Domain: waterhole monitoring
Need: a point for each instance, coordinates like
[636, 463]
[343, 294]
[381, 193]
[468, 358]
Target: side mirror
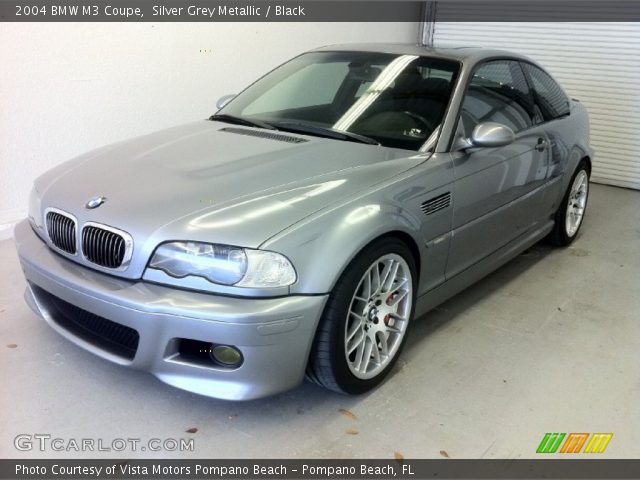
[491, 134]
[222, 101]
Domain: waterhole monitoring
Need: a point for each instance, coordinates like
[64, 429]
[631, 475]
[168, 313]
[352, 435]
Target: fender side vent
[436, 204]
[262, 134]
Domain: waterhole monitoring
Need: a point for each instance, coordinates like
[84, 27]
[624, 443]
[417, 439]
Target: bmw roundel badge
[95, 202]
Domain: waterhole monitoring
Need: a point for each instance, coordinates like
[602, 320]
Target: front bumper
[273, 334]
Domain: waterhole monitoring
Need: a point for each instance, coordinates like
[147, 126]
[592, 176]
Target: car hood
[214, 182]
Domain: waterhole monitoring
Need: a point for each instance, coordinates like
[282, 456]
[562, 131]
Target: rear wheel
[366, 319]
[571, 212]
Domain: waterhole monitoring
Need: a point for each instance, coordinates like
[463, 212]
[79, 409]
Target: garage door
[597, 63]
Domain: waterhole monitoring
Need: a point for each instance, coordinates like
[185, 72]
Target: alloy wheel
[378, 316]
[577, 203]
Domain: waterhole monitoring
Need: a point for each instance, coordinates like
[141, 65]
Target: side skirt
[467, 277]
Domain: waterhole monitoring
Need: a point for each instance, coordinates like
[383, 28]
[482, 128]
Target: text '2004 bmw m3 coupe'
[303, 227]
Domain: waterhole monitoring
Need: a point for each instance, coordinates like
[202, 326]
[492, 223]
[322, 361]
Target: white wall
[66, 88]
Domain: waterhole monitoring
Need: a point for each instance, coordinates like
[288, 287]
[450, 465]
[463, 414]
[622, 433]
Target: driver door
[496, 189]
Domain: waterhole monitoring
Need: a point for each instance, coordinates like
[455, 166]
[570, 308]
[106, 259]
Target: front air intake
[105, 334]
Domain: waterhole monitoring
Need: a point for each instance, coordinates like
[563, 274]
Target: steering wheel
[396, 123]
[427, 124]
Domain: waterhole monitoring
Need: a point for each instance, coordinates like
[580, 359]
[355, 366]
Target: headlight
[216, 263]
[267, 269]
[224, 265]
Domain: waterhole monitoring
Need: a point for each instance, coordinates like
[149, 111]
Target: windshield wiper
[224, 117]
[324, 132]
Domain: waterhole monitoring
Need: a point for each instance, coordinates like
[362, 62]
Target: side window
[552, 101]
[498, 92]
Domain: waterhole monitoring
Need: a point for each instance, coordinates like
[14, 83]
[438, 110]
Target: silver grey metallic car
[301, 228]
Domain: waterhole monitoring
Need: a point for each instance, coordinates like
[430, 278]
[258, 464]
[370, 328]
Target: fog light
[226, 355]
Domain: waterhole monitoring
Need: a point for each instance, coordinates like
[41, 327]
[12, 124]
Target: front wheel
[570, 214]
[366, 319]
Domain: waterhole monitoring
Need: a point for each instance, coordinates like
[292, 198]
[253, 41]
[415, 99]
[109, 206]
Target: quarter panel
[569, 140]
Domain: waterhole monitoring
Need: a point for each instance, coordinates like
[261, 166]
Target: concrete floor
[549, 343]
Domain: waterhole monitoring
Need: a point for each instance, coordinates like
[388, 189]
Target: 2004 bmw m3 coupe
[303, 227]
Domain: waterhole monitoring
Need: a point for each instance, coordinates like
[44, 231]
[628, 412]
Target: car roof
[459, 53]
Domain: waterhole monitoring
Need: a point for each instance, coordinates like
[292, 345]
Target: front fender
[322, 245]
[321, 248]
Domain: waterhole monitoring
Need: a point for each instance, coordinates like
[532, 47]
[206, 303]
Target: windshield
[396, 100]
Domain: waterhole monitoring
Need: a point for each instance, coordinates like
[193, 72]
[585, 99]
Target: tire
[373, 329]
[570, 213]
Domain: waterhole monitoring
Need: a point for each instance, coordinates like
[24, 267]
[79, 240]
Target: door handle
[541, 145]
